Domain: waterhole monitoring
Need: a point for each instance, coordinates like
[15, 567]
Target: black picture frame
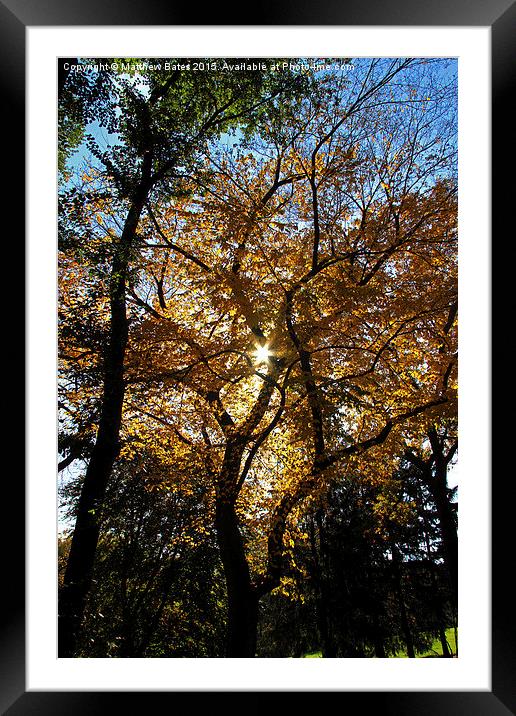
[500, 16]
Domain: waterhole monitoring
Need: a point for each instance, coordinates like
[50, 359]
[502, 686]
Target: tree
[364, 575]
[431, 461]
[163, 120]
[155, 558]
[437, 601]
[289, 309]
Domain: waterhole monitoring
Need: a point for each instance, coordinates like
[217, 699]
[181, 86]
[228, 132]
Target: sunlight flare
[262, 354]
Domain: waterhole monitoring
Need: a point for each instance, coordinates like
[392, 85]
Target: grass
[435, 649]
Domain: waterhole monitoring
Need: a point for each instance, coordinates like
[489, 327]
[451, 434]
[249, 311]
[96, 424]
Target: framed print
[42, 41]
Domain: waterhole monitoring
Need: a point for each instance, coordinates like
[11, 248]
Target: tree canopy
[258, 298]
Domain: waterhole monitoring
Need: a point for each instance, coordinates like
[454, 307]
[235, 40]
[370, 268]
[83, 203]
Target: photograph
[258, 357]
[261, 294]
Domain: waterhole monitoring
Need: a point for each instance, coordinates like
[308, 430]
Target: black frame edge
[12, 616]
[503, 34]
[501, 16]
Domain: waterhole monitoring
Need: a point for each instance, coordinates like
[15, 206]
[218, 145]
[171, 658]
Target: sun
[262, 354]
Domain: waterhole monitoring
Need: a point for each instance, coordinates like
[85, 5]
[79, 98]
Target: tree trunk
[79, 569]
[242, 599]
[323, 608]
[438, 605]
[444, 643]
[379, 648]
[127, 647]
[448, 534]
[328, 648]
[437, 484]
[405, 626]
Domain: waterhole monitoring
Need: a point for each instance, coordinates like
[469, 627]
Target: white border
[471, 671]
